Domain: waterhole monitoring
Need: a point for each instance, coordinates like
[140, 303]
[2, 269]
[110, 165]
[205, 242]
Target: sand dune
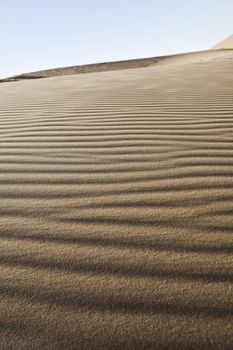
[116, 195]
[113, 66]
[225, 44]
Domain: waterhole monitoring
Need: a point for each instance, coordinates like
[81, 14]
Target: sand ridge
[115, 66]
[116, 200]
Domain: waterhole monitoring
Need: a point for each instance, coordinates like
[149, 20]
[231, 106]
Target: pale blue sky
[40, 34]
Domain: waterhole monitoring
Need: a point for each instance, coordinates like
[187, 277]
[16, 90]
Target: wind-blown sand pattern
[116, 200]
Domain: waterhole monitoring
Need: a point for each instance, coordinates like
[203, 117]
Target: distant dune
[225, 44]
[108, 66]
[116, 202]
[88, 68]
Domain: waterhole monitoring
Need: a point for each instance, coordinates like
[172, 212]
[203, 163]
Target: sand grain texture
[116, 200]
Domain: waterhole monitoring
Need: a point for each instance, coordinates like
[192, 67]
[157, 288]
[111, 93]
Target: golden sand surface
[116, 201]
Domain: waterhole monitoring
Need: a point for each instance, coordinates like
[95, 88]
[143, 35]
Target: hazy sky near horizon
[42, 34]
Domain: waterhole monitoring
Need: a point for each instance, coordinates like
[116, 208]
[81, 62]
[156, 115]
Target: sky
[43, 34]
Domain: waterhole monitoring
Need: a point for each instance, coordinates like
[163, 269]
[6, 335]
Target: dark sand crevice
[121, 242]
[74, 302]
[119, 269]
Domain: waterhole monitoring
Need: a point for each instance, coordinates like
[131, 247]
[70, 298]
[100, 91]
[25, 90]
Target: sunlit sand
[116, 201]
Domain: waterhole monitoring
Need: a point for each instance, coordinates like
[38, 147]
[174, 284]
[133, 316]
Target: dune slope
[116, 200]
[225, 44]
[107, 66]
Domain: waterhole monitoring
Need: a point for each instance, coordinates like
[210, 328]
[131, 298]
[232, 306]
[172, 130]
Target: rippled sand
[116, 201]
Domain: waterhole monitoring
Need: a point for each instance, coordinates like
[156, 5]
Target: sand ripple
[116, 202]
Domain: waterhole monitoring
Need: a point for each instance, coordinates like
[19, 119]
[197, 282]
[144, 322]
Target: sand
[225, 44]
[111, 66]
[116, 200]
